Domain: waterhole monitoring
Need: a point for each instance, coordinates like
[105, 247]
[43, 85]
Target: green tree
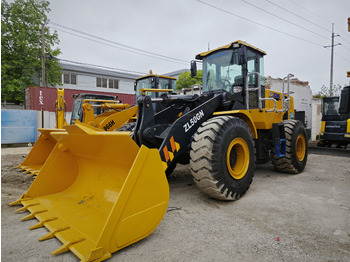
[185, 80]
[21, 23]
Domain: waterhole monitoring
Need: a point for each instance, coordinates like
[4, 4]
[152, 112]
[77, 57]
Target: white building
[301, 93]
[93, 78]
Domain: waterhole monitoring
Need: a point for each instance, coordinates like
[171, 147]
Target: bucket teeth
[18, 201]
[41, 223]
[28, 170]
[25, 207]
[52, 233]
[32, 215]
[21, 167]
[65, 247]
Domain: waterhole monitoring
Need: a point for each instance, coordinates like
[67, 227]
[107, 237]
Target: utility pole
[332, 52]
[43, 73]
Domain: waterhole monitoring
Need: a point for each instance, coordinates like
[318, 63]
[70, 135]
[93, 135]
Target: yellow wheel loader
[101, 191]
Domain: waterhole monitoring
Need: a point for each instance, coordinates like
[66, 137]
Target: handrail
[285, 100]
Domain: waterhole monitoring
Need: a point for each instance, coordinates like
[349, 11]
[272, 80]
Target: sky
[165, 35]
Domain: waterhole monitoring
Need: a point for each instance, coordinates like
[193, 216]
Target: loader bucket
[40, 151]
[97, 192]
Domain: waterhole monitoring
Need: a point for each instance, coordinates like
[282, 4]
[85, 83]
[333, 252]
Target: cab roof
[151, 75]
[229, 46]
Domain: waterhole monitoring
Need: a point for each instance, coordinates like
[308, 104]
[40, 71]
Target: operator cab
[152, 81]
[337, 108]
[229, 67]
[330, 108]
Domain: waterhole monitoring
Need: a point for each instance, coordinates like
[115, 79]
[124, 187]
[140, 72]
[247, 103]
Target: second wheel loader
[93, 109]
[100, 191]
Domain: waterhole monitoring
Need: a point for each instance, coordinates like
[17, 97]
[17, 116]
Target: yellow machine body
[111, 120]
[106, 105]
[97, 197]
[263, 119]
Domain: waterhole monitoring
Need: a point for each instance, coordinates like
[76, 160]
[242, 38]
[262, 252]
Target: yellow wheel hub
[300, 147]
[237, 158]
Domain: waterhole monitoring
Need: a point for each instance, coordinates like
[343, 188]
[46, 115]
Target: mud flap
[97, 192]
[40, 151]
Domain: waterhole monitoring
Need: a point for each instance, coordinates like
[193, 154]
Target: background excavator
[101, 191]
[335, 125]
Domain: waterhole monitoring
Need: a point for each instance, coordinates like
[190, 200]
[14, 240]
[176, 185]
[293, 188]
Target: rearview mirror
[193, 68]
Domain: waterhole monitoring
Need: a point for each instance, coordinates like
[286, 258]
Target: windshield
[143, 84]
[330, 106]
[221, 71]
[77, 113]
[150, 82]
[166, 83]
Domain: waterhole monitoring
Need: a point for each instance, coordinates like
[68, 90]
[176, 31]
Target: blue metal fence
[18, 126]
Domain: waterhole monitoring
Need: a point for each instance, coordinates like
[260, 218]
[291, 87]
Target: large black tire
[296, 149]
[222, 158]
[128, 127]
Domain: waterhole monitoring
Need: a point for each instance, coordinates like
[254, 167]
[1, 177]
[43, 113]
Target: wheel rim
[237, 158]
[300, 147]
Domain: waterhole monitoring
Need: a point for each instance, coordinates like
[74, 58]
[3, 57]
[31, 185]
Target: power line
[345, 47]
[100, 42]
[315, 14]
[310, 11]
[257, 23]
[297, 15]
[260, 24]
[262, 9]
[342, 57]
[345, 39]
[141, 51]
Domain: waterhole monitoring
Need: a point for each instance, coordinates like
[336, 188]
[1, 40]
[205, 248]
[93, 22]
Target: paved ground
[282, 217]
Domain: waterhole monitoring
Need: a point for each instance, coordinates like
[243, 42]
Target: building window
[107, 83]
[113, 83]
[104, 82]
[101, 82]
[70, 79]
